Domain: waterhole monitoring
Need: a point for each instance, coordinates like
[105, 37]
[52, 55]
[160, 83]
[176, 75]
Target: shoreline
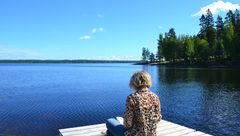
[67, 61]
[193, 65]
[220, 64]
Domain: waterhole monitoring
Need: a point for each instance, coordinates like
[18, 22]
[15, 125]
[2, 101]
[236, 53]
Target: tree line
[67, 61]
[148, 56]
[217, 41]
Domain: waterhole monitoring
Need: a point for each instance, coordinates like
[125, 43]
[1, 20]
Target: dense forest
[217, 42]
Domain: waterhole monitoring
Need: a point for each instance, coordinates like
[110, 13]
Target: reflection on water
[204, 99]
[39, 99]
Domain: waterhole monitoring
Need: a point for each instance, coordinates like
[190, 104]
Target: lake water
[39, 99]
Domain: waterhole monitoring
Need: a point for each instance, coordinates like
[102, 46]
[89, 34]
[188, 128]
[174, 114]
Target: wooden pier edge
[165, 128]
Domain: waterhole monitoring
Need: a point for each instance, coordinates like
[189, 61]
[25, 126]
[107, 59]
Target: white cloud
[85, 37]
[99, 29]
[93, 31]
[216, 7]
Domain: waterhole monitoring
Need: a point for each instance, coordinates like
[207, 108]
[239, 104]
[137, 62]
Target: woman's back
[142, 113]
[142, 109]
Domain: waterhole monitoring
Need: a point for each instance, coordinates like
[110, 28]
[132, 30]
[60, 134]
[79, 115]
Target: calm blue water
[39, 99]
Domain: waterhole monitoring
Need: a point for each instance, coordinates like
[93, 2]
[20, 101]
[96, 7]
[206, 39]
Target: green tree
[168, 45]
[206, 24]
[201, 49]
[152, 57]
[209, 22]
[189, 50]
[211, 44]
[148, 54]
[144, 55]
[228, 40]
[171, 44]
[168, 49]
[211, 37]
[180, 50]
[185, 48]
[159, 48]
[236, 38]
[230, 18]
[202, 27]
[219, 27]
[172, 33]
[219, 52]
[237, 16]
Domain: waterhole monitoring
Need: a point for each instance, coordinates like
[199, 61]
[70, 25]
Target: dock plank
[164, 128]
[181, 132]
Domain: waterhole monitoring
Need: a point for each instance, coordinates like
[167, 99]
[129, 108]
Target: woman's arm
[128, 116]
[158, 115]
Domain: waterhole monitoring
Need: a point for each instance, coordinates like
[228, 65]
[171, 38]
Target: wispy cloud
[14, 53]
[100, 15]
[99, 29]
[216, 7]
[85, 37]
[93, 31]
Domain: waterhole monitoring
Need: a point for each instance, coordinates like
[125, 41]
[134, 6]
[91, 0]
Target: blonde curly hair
[140, 80]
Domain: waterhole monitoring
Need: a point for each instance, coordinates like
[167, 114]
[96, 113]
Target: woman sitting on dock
[142, 110]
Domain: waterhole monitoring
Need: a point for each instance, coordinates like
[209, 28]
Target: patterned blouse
[142, 113]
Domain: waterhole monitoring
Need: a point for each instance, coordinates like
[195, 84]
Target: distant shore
[220, 64]
[68, 61]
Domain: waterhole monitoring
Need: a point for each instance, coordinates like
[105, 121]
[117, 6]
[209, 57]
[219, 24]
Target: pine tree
[201, 49]
[219, 52]
[148, 55]
[172, 44]
[228, 40]
[181, 47]
[168, 49]
[211, 37]
[230, 18]
[189, 50]
[152, 57]
[210, 33]
[216, 43]
[209, 22]
[219, 27]
[236, 39]
[144, 55]
[172, 34]
[206, 22]
[160, 43]
[237, 15]
[203, 27]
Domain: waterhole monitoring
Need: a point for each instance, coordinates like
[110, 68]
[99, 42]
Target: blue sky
[95, 29]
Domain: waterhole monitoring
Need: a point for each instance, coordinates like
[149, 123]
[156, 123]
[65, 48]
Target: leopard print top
[142, 113]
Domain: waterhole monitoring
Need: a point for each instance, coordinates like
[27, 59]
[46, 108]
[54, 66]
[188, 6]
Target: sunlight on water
[39, 99]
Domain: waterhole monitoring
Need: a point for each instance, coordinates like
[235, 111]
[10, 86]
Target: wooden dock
[165, 128]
